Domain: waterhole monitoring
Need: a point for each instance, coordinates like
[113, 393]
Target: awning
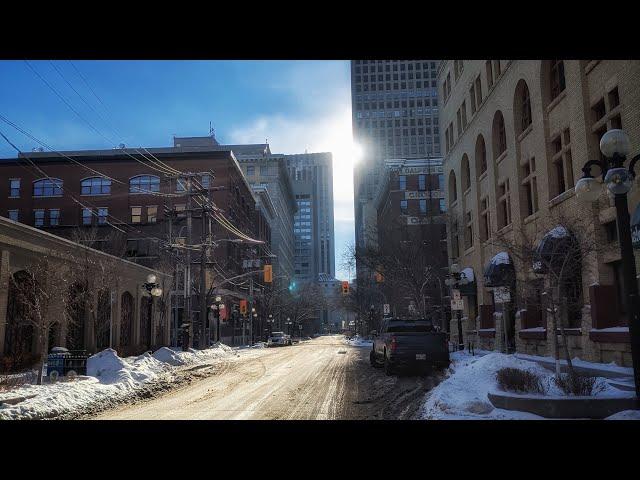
[552, 249]
[469, 288]
[500, 271]
[635, 227]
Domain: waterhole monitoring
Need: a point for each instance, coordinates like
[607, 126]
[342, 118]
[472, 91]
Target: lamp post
[154, 290]
[254, 318]
[455, 280]
[217, 307]
[288, 324]
[269, 328]
[615, 147]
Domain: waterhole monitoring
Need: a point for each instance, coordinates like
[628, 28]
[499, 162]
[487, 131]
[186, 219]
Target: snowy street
[323, 378]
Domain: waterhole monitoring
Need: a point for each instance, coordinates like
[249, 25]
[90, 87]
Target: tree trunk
[44, 337]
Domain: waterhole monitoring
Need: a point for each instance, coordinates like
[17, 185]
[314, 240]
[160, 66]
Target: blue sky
[296, 105]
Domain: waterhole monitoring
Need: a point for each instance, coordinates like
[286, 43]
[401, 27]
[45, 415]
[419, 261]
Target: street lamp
[288, 324]
[154, 290]
[269, 328]
[615, 147]
[217, 308]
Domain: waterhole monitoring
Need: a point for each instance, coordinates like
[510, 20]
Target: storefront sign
[416, 195]
[501, 295]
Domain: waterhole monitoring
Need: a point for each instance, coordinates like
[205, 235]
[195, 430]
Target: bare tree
[555, 248]
[44, 285]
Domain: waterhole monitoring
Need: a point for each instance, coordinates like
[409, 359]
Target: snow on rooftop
[501, 258]
[558, 232]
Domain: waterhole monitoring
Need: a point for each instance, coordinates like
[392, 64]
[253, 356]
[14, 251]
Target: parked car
[409, 343]
[278, 339]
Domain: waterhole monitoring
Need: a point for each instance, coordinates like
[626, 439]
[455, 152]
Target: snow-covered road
[323, 378]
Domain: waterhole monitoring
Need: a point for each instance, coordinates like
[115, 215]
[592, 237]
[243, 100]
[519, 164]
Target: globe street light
[455, 280]
[615, 146]
[217, 308]
[154, 290]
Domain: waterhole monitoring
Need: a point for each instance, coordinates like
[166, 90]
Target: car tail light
[394, 344]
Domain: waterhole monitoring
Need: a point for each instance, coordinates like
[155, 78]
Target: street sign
[386, 309]
[501, 295]
[456, 295]
[457, 304]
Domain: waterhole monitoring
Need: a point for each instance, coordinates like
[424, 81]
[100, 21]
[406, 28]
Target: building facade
[121, 320]
[395, 115]
[137, 209]
[410, 208]
[516, 134]
[312, 177]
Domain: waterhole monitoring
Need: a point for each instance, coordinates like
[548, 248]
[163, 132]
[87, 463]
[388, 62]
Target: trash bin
[62, 361]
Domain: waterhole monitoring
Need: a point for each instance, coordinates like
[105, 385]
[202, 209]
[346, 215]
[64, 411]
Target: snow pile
[625, 415]
[463, 395]
[110, 379]
[358, 341]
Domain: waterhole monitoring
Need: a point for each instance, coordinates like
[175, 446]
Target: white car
[278, 339]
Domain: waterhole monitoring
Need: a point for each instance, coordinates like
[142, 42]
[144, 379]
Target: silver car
[278, 339]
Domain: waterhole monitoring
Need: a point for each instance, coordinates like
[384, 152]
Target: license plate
[421, 356]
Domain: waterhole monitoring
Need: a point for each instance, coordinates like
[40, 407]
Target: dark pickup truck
[409, 343]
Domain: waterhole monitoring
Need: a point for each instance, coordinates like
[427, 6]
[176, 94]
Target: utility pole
[187, 281]
[251, 308]
[203, 280]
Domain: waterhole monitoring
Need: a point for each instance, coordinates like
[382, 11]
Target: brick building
[410, 207]
[128, 191]
[516, 134]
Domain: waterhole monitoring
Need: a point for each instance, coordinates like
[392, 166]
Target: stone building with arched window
[530, 127]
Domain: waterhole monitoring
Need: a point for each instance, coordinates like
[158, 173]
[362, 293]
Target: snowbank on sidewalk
[463, 395]
[109, 379]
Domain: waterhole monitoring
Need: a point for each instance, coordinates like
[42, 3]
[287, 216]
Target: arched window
[556, 77]
[466, 173]
[47, 187]
[95, 186]
[126, 319]
[481, 155]
[499, 135]
[522, 107]
[453, 192]
[144, 184]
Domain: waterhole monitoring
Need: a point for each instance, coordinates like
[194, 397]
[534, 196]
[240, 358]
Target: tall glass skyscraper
[394, 115]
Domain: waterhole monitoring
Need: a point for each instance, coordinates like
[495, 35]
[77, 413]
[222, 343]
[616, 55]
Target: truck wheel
[372, 359]
[388, 368]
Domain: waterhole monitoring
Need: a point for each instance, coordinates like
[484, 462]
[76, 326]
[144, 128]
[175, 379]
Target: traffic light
[243, 307]
[268, 274]
[345, 287]
[292, 286]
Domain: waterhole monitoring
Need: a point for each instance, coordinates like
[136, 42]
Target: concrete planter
[563, 407]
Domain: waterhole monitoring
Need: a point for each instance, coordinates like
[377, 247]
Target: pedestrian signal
[345, 287]
[268, 274]
[243, 307]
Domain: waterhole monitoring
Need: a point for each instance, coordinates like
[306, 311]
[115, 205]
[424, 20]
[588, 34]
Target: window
[404, 207]
[441, 182]
[481, 155]
[614, 98]
[530, 187]
[152, 213]
[14, 215]
[504, 204]
[423, 207]
[136, 214]
[14, 187]
[181, 185]
[251, 170]
[54, 217]
[47, 187]
[499, 135]
[478, 92]
[463, 109]
[264, 170]
[441, 206]
[422, 182]
[38, 216]
[402, 179]
[562, 164]
[466, 173]
[489, 67]
[144, 184]
[496, 69]
[472, 97]
[103, 213]
[485, 225]
[557, 82]
[95, 186]
[468, 231]
[599, 110]
[523, 106]
[205, 180]
[455, 240]
[86, 216]
[453, 192]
